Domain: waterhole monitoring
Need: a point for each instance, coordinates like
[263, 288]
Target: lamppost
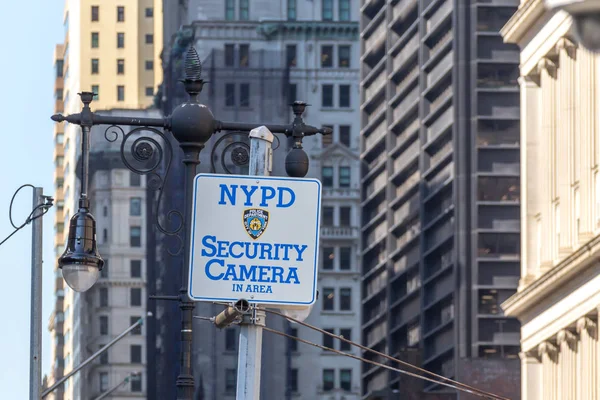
[191, 124]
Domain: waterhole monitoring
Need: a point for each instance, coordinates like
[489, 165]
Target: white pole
[35, 366]
[250, 348]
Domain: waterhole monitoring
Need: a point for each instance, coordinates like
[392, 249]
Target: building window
[105, 235]
[557, 229]
[95, 40]
[292, 343]
[327, 258]
[229, 55]
[120, 93]
[104, 355]
[149, 65]
[345, 258]
[345, 299]
[135, 206]
[230, 339]
[103, 381]
[292, 93]
[136, 297]
[135, 236]
[95, 13]
[346, 379]
[120, 66]
[413, 335]
[327, 96]
[103, 319]
[103, 292]
[60, 66]
[136, 268]
[327, 218]
[345, 216]
[344, 11]
[104, 271]
[229, 10]
[328, 339]
[60, 227]
[344, 177]
[120, 40]
[120, 14]
[291, 10]
[498, 189]
[345, 135]
[229, 94]
[346, 333]
[344, 56]
[499, 244]
[230, 380]
[244, 95]
[326, 140]
[328, 380]
[96, 91]
[136, 354]
[244, 10]
[577, 201]
[328, 299]
[294, 380]
[327, 176]
[327, 11]
[149, 91]
[345, 96]
[149, 12]
[138, 329]
[149, 38]
[291, 55]
[95, 66]
[326, 56]
[134, 179]
[244, 55]
[136, 383]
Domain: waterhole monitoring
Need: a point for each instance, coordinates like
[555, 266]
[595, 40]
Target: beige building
[559, 291]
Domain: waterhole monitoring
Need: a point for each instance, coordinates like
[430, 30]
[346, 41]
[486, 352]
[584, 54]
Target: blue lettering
[223, 249]
[300, 250]
[266, 196]
[230, 272]
[248, 194]
[277, 272]
[292, 197]
[269, 289]
[286, 248]
[264, 270]
[292, 274]
[230, 194]
[237, 287]
[238, 255]
[265, 248]
[247, 274]
[207, 242]
[207, 269]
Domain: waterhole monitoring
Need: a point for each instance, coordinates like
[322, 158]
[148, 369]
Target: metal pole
[111, 390]
[35, 366]
[250, 347]
[92, 357]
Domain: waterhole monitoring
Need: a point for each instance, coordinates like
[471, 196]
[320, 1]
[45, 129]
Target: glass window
[120, 66]
[327, 257]
[345, 135]
[345, 258]
[104, 271]
[344, 12]
[497, 75]
[149, 12]
[326, 56]
[291, 10]
[229, 10]
[346, 379]
[345, 96]
[244, 95]
[136, 268]
[105, 235]
[413, 335]
[327, 11]
[326, 140]
[59, 67]
[95, 13]
[244, 55]
[136, 297]
[294, 380]
[230, 380]
[344, 56]
[136, 353]
[134, 179]
[103, 381]
[149, 38]
[346, 299]
[493, 188]
[327, 339]
[328, 379]
[136, 383]
[292, 93]
[138, 329]
[499, 244]
[230, 339]
[120, 93]
[290, 55]
[347, 334]
[104, 355]
[229, 54]
[103, 324]
[95, 40]
[105, 211]
[95, 66]
[149, 91]
[327, 176]
[135, 206]
[244, 10]
[344, 177]
[327, 96]
[96, 91]
[120, 14]
[120, 40]
[103, 292]
[293, 344]
[328, 299]
[149, 65]
[493, 133]
[135, 236]
[327, 218]
[345, 216]
[230, 94]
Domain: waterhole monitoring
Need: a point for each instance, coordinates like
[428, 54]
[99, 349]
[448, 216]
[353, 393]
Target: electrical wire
[486, 396]
[404, 363]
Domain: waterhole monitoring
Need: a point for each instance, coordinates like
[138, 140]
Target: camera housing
[586, 19]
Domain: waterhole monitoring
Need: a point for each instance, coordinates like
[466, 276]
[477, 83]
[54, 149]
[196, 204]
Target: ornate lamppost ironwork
[191, 124]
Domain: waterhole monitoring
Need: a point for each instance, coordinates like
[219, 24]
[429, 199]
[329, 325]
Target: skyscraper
[440, 192]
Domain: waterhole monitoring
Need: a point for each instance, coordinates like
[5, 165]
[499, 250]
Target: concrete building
[558, 297]
[101, 53]
[440, 193]
[259, 57]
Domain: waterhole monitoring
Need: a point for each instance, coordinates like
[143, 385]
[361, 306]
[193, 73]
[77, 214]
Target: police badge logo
[255, 222]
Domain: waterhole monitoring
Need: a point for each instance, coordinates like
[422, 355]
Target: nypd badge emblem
[255, 221]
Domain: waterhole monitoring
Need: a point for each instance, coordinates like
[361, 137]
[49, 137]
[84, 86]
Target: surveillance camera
[586, 19]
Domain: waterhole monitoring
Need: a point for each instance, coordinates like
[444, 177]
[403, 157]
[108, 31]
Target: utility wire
[45, 208]
[487, 396]
[404, 363]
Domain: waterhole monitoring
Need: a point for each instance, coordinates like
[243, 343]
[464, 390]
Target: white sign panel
[255, 238]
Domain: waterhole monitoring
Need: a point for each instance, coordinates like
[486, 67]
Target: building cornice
[527, 13]
[534, 293]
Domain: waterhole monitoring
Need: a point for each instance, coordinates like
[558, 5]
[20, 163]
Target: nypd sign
[256, 238]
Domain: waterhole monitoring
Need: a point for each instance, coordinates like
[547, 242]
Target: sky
[29, 30]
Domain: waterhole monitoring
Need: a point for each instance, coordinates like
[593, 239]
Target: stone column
[549, 388]
[587, 359]
[531, 372]
[547, 71]
[567, 364]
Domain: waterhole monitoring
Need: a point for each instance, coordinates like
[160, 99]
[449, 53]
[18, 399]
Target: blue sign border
[251, 177]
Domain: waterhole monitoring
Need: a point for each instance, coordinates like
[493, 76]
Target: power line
[404, 363]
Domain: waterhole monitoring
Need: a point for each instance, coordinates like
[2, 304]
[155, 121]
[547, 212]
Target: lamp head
[81, 263]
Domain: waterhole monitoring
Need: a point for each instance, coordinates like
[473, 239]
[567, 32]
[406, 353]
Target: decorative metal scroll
[143, 151]
[230, 153]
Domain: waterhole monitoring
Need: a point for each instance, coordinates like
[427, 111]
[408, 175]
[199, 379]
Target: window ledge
[338, 109]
